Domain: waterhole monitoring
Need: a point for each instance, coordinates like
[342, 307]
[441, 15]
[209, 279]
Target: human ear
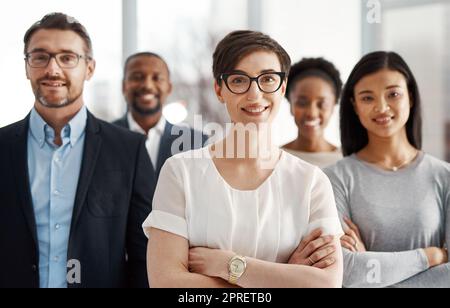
[90, 69]
[218, 90]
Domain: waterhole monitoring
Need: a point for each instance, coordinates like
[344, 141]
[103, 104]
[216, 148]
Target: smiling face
[312, 102]
[146, 85]
[254, 106]
[382, 103]
[53, 86]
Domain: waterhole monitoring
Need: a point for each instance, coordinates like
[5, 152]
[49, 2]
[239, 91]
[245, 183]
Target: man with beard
[74, 190]
[146, 86]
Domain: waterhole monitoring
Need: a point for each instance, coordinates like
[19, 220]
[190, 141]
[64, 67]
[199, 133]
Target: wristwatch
[236, 268]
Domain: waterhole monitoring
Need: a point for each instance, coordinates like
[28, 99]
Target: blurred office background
[186, 32]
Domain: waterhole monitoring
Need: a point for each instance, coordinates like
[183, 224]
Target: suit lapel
[124, 121]
[165, 147]
[19, 154]
[91, 151]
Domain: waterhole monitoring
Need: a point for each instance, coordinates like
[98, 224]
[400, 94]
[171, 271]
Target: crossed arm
[415, 268]
[171, 263]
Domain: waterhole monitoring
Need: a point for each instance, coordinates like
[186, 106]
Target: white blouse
[193, 201]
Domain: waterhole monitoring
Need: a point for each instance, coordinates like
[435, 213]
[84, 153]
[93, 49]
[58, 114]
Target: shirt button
[56, 259]
[57, 226]
[56, 192]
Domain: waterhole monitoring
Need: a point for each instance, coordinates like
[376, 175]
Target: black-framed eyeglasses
[240, 83]
[40, 59]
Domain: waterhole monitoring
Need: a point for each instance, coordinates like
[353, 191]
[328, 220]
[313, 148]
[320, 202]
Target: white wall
[419, 35]
[326, 28]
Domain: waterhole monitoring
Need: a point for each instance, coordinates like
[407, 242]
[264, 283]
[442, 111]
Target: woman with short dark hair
[393, 197]
[243, 212]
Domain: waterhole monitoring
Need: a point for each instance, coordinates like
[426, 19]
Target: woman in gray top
[394, 199]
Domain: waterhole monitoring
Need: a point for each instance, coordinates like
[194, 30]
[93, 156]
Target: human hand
[436, 256]
[314, 250]
[352, 239]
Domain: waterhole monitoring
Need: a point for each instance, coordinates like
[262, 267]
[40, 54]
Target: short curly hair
[315, 67]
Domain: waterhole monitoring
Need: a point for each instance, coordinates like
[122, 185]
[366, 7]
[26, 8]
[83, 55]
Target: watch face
[237, 266]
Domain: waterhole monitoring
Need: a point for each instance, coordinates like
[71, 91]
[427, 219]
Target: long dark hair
[354, 136]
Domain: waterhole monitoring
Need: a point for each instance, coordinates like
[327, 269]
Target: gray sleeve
[374, 269]
[340, 194]
[436, 277]
[381, 269]
[439, 276]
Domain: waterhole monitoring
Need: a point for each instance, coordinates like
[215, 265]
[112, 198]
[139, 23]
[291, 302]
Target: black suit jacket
[114, 195]
[190, 139]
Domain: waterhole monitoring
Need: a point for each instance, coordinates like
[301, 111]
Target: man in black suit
[74, 190]
[146, 86]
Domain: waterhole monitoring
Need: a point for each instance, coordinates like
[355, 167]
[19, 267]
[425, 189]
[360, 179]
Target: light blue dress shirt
[53, 174]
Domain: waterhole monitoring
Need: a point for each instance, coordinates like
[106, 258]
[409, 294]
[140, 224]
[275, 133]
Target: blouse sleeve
[169, 203]
[323, 212]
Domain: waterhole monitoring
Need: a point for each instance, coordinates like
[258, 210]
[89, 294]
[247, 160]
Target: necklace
[404, 163]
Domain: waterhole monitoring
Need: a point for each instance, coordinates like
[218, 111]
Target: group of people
[85, 203]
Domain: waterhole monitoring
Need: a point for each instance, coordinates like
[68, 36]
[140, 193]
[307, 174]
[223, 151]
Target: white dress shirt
[153, 136]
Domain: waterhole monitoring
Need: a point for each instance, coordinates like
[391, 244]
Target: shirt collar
[73, 130]
[78, 125]
[37, 127]
[134, 126]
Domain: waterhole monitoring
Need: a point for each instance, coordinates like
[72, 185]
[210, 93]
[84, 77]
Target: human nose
[149, 83]
[312, 111]
[253, 92]
[53, 67]
[381, 106]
